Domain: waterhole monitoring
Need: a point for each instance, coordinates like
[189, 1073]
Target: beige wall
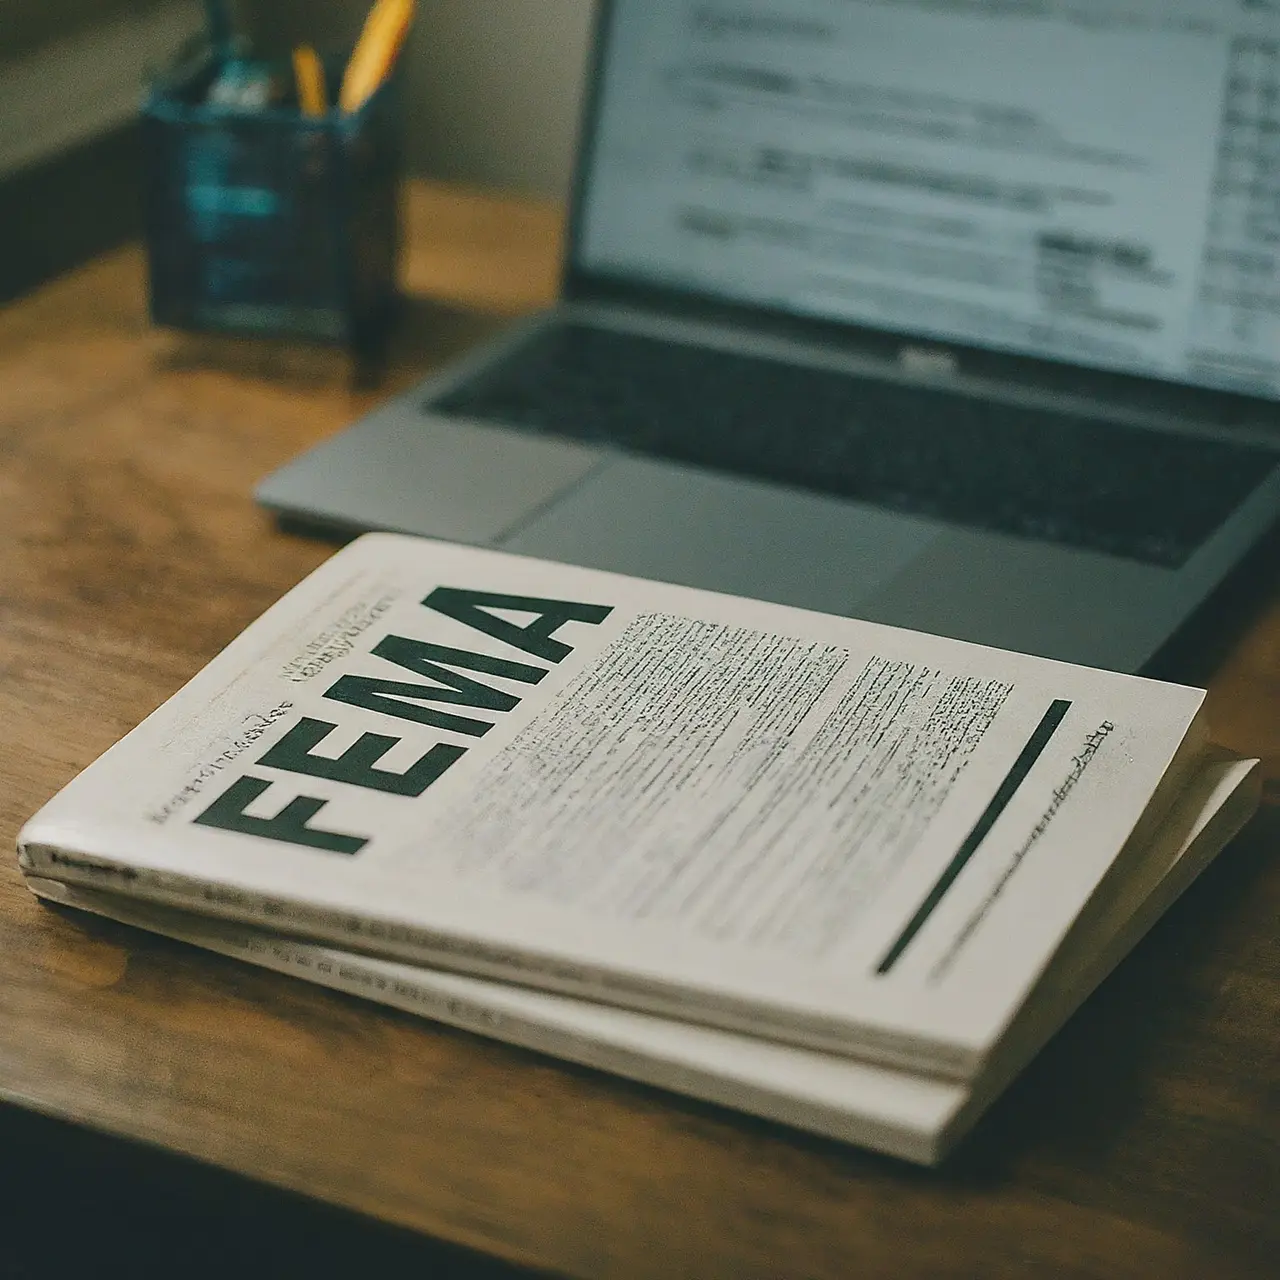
[76, 73]
[28, 24]
[492, 90]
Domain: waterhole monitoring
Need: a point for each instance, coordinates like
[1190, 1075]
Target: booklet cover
[830, 832]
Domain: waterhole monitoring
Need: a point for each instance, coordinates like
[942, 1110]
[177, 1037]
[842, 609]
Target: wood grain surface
[1144, 1142]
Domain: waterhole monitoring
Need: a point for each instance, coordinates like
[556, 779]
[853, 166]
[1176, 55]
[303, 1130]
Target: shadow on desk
[74, 1202]
[1137, 1076]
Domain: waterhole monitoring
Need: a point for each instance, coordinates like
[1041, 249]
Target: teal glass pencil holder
[269, 221]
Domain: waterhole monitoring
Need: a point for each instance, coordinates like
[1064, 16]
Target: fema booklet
[827, 832]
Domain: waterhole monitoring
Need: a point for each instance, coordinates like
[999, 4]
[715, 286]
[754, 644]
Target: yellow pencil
[308, 78]
[375, 53]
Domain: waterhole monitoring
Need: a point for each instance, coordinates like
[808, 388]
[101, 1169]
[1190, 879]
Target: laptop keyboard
[1054, 477]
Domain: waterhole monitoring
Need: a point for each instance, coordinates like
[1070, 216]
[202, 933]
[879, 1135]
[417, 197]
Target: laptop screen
[1095, 181]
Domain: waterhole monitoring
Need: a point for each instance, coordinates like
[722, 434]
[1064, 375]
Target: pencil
[308, 78]
[375, 53]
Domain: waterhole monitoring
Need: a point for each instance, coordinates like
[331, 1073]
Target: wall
[28, 24]
[73, 71]
[493, 90]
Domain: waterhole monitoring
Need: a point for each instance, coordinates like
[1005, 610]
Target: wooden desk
[1144, 1142]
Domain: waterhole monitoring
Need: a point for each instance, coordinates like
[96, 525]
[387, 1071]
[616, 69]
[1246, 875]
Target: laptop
[960, 317]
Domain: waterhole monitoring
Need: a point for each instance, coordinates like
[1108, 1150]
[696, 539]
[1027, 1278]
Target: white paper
[791, 845]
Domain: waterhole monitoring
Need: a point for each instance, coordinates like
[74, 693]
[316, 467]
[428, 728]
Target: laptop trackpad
[676, 524]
